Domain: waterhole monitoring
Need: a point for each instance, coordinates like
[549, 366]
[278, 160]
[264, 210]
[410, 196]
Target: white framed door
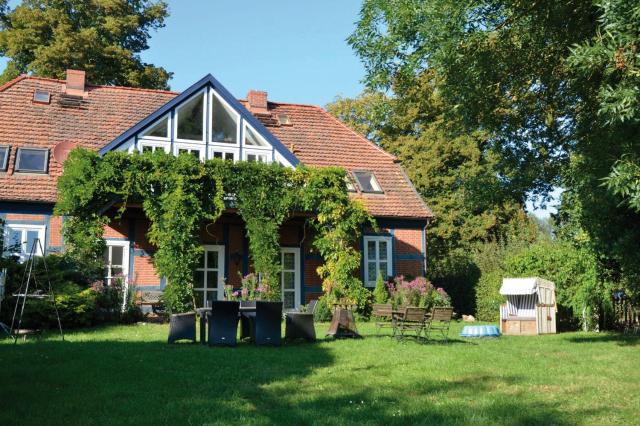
[377, 258]
[209, 276]
[116, 261]
[290, 277]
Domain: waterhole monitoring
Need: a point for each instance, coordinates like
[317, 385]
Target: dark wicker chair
[182, 327]
[246, 318]
[299, 325]
[266, 326]
[223, 323]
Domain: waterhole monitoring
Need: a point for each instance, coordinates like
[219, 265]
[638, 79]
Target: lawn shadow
[618, 338]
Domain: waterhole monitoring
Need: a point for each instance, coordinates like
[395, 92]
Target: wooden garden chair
[383, 313]
[439, 322]
[411, 320]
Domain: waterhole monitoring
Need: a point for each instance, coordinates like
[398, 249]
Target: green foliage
[381, 292]
[323, 310]
[105, 38]
[179, 194]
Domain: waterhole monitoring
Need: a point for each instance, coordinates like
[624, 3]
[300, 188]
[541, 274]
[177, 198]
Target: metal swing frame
[23, 291]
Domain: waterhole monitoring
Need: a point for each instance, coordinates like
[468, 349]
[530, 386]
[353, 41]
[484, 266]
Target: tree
[102, 37]
[553, 84]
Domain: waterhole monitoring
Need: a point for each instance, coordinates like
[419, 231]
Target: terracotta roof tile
[314, 135]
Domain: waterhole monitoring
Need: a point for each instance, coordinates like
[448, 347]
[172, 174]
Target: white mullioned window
[190, 119]
[209, 276]
[20, 240]
[224, 123]
[377, 258]
[196, 150]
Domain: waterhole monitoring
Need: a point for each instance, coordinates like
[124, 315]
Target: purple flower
[235, 293]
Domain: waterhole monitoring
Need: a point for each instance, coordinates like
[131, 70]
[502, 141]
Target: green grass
[129, 375]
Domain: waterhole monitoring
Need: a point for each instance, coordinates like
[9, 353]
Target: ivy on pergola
[179, 194]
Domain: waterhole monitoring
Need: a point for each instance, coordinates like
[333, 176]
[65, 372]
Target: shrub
[417, 292]
[381, 292]
[488, 297]
[323, 310]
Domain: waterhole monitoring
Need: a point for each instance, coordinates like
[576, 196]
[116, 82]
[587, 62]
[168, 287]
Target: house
[43, 119]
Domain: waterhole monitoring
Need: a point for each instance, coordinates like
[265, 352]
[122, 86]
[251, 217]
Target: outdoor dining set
[260, 323]
[413, 321]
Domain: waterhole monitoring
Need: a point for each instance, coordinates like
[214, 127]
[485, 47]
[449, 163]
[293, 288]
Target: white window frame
[144, 135]
[225, 150]
[296, 271]
[375, 183]
[239, 120]
[23, 229]
[371, 281]
[263, 153]
[177, 146]
[206, 288]
[28, 148]
[125, 260]
[154, 144]
[204, 119]
[266, 146]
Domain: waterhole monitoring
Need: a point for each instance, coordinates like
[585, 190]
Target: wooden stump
[343, 324]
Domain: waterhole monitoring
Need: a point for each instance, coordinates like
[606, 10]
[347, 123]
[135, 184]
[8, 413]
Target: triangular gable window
[224, 121]
[252, 138]
[159, 130]
[190, 119]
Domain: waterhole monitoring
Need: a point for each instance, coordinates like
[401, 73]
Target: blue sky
[295, 50]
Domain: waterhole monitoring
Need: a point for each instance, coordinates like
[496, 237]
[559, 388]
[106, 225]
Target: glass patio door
[209, 276]
[290, 277]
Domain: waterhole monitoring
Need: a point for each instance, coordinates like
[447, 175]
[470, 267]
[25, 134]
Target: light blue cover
[480, 331]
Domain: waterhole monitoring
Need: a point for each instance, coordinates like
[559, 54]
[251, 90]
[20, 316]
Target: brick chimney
[257, 101]
[75, 83]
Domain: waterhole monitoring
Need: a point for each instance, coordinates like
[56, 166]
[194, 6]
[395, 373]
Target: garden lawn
[129, 375]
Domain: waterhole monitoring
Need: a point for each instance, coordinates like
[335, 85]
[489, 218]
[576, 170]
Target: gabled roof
[313, 137]
[207, 80]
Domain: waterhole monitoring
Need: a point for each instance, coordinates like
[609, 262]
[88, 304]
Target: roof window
[4, 158]
[32, 160]
[41, 96]
[367, 182]
[349, 182]
[284, 119]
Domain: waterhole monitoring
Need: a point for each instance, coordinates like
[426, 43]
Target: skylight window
[367, 182]
[159, 130]
[41, 96]
[190, 119]
[284, 119]
[349, 182]
[4, 158]
[252, 138]
[33, 160]
[224, 122]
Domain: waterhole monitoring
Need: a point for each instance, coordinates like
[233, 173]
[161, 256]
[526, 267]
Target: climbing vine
[180, 194]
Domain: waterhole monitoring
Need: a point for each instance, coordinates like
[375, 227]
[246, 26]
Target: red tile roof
[314, 136]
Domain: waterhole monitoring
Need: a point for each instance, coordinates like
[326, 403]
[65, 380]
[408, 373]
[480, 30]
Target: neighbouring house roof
[313, 136]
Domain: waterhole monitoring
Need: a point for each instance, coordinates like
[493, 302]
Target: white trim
[371, 281]
[125, 259]
[236, 144]
[296, 271]
[225, 150]
[154, 144]
[24, 250]
[220, 269]
[266, 145]
[174, 126]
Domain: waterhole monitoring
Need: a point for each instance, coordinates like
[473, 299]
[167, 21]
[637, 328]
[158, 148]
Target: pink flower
[235, 293]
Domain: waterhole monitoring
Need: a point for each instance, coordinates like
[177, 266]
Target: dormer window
[4, 158]
[32, 160]
[190, 119]
[367, 182]
[41, 96]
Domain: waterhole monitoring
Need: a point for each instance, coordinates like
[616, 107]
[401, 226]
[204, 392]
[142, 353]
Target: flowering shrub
[417, 292]
[250, 289]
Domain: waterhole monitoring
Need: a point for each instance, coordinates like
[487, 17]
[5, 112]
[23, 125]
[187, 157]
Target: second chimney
[257, 101]
[75, 83]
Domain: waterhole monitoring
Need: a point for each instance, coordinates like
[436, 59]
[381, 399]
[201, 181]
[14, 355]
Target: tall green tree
[102, 37]
[553, 84]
